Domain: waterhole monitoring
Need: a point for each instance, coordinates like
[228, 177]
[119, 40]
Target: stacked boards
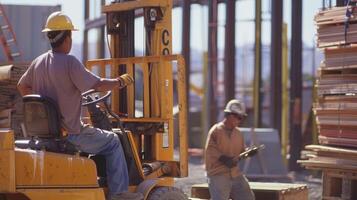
[11, 113]
[336, 107]
[339, 170]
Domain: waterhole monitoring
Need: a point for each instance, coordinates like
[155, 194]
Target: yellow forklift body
[64, 193]
[7, 161]
[47, 169]
[35, 173]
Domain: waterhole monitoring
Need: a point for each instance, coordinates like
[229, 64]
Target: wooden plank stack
[262, 191]
[339, 170]
[336, 109]
[10, 99]
[332, 26]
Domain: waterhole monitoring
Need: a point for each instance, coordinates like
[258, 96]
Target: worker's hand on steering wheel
[125, 80]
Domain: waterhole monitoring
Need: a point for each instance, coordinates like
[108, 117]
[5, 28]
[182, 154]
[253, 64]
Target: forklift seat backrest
[41, 117]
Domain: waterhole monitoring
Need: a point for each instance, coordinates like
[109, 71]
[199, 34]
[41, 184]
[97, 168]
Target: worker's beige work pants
[223, 188]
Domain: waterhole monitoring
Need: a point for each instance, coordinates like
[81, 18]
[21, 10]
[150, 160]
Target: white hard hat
[235, 106]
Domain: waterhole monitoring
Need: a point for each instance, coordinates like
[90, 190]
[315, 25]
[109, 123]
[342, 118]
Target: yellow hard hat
[58, 21]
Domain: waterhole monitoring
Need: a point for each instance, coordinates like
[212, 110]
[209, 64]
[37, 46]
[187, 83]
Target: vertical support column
[285, 96]
[296, 87]
[101, 42]
[101, 38]
[85, 32]
[276, 64]
[123, 48]
[230, 51]
[211, 104]
[186, 50]
[257, 64]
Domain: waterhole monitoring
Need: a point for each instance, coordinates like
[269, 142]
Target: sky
[199, 27]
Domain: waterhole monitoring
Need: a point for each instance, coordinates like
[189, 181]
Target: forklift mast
[154, 76]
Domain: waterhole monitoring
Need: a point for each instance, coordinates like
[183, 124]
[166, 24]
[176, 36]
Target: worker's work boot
[127, 196]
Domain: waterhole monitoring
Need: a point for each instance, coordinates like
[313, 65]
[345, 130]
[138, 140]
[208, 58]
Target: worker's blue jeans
[223, 188]
[96, 141]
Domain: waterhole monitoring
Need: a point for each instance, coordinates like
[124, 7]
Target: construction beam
[296, 87]
[211, 104]
[186, 49]
[124, 48]
[101, 39]
[257, 65]
[230, 51]
[85, 32]
[276, 64]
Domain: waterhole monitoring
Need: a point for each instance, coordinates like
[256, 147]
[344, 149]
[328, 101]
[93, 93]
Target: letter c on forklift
[165, 41]
[164, 38]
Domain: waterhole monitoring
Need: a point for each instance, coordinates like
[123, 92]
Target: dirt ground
[197, 175]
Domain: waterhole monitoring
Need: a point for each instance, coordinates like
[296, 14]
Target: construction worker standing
[61, 77]
[224, 142]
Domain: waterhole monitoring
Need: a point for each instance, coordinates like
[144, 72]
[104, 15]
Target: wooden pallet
[339, 184]
[339, 170]
[262, 191]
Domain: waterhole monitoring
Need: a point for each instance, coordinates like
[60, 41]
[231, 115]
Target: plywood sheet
[342, 142]
[335, 15]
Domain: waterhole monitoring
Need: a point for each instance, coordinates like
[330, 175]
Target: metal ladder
[8, 38]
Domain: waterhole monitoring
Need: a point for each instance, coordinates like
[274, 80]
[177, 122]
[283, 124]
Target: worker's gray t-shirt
[63, 78]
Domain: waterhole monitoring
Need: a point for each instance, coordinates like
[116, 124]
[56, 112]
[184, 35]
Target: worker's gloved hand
[227, 161]
[125, 80]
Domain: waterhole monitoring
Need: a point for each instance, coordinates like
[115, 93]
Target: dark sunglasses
[239, 117]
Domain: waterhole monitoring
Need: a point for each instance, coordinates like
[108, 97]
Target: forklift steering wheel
[92, 97]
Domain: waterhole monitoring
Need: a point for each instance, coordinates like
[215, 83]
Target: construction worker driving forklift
[63, 78]
[224, 143]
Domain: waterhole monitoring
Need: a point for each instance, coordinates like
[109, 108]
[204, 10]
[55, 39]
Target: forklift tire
[167, 193]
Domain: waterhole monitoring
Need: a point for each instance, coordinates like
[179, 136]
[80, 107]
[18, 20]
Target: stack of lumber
[262, 191]
[10, 99]
[331, 26]
[336, 108]
[327, 157]
[339, 170]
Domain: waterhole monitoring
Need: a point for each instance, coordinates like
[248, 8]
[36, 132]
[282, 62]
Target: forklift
[44, 165]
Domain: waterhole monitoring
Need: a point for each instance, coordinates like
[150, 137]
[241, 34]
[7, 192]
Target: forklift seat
[42, 118]
[42, 122]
